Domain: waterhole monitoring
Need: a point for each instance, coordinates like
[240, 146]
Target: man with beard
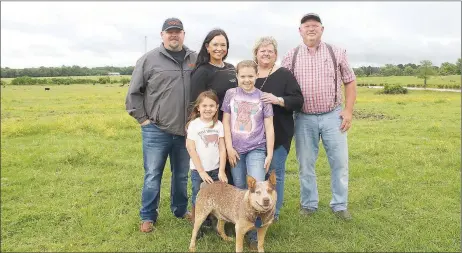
[158, 99]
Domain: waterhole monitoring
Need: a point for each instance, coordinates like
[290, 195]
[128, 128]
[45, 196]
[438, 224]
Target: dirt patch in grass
[370, 115]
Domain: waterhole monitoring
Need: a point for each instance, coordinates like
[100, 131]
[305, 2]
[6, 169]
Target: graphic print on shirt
[209, 136]
[245, 111]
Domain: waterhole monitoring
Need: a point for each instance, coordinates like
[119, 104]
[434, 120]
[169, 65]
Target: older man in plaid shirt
[320, 70]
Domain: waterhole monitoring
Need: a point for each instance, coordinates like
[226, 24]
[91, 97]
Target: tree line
[64, 71]
[409, 69]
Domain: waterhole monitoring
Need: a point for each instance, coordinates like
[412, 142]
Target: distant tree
[408, 71]
[390, 70]
[448, 68]
[425, 71]
[412, 65]
[400, 66]
[459, 67]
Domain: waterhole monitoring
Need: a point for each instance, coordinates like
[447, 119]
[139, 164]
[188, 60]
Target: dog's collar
[258, 222]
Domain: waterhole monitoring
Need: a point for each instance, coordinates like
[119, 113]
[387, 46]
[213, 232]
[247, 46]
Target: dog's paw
[227, 238]
[192, 249]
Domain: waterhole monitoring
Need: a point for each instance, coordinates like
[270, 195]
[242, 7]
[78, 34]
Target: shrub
[393, 89]
[23, 80]
[125, 80]
[104, 80]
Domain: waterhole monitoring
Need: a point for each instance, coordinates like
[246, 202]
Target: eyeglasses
[266, 51]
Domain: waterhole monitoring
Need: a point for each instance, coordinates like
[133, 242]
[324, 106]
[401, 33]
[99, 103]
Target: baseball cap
[172, 23]
[310, 16]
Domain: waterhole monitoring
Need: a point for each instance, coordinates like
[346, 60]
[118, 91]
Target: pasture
[452, 82]
[72, 174]
[446, 82]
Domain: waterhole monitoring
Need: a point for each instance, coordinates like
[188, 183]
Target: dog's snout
[266, 201]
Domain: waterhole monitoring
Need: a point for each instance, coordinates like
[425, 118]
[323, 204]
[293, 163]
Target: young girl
[249, 132]
[248, 123]
[205, 144]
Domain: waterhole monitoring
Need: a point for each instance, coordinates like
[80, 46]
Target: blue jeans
[196, 181]
[157, 146]
[309, 129]
[278, 164]
[251, 163]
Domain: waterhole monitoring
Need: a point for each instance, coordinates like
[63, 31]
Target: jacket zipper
[182, 79]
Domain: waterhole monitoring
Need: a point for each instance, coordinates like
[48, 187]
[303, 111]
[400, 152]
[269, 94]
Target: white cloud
[112, 33]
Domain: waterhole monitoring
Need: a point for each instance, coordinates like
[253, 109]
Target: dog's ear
[251, 183]
[272, 179]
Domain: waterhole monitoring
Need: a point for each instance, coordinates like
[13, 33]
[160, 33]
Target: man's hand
[145, 122]
[347, 116]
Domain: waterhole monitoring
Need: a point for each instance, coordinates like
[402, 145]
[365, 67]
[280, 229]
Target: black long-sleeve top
[282, 83]
[208, 77]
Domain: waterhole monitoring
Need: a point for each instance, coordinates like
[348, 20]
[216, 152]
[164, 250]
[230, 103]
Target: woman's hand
[269, 98]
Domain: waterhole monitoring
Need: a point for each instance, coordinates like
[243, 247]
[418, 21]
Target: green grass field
[72, 175]
[453, 81]
[412, 81]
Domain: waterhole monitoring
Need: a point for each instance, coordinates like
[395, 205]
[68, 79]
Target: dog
[247, 209]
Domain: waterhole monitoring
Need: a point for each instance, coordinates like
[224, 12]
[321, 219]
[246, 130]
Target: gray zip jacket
[159, 90]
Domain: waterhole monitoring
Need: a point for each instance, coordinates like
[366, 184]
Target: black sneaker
[230, 229]
[276, 218]
[252, 240]
[207, 223]
[200, 233]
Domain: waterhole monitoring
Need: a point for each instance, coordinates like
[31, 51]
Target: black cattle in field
[47, 88]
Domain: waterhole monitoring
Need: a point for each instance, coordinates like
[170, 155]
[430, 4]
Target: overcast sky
[91, 34]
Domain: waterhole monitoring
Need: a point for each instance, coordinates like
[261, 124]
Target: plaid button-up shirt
[315, 74]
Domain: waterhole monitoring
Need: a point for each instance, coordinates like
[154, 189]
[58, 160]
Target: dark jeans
[196, 181]
[157, 146]
[278, 164]
[228, 173]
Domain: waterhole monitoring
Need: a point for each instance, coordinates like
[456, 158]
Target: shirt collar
[321, 43]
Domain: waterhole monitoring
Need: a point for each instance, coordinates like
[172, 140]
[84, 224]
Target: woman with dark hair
[211, 72]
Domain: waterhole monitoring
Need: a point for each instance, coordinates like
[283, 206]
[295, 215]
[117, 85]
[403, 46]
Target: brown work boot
[146, 226]
[189, 216]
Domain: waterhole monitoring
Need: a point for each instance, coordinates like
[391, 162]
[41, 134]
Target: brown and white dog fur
[241, 207]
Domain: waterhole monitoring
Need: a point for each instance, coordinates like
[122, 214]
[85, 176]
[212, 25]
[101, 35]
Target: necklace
[218, 66]
[269, 73]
